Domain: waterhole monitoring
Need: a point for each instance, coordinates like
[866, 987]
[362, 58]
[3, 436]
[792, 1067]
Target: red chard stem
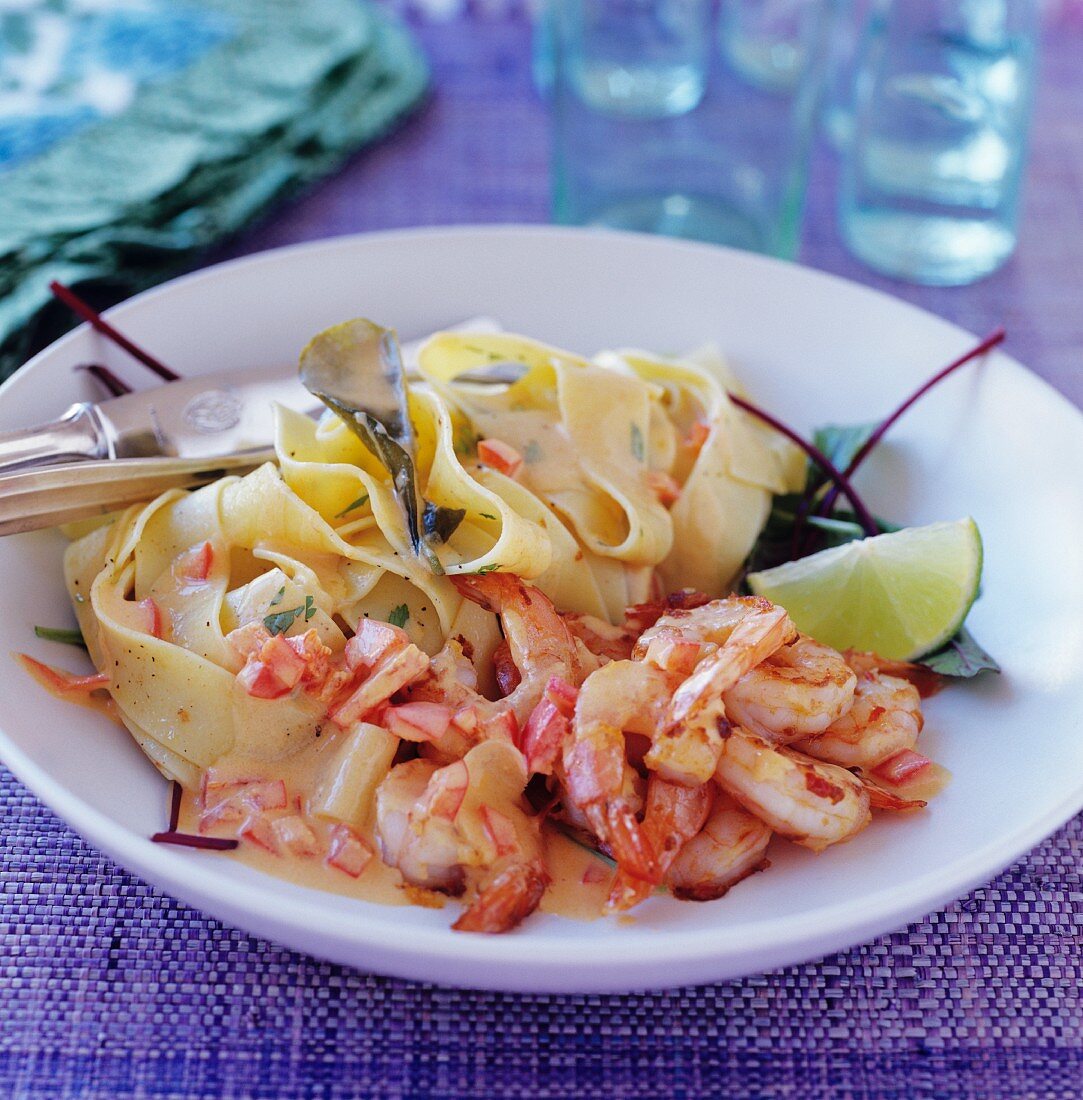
[107, 379]
[842, 483]
[990, 342]
[97, 322]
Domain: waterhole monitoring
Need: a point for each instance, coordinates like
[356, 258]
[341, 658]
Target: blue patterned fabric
[135, 134]
[64, 66]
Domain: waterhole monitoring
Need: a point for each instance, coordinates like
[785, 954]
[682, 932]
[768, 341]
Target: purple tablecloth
[109, 989]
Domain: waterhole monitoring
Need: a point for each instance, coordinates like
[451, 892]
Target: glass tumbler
[931, 179]
[670, 116]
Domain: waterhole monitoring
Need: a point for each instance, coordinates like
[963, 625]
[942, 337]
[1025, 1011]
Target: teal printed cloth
[136, 133]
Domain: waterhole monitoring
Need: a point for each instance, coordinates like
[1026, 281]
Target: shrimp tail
[879, 799]
[620, 827]
[506, 902]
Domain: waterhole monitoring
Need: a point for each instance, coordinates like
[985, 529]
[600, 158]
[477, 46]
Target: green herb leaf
[281, 621]
[532, 453]
[278, 597]
[491, 568]
[639, 450]
[56, 634]
[399, 615]
[310, 607]
[486, 515]
[840, 442]
[961, 657]
[361, 500]
[355, 369]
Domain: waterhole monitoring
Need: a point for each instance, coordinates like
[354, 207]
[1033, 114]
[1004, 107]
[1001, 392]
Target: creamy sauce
[581, 880]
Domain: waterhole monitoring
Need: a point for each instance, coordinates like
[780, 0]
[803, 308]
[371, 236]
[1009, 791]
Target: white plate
[993, 441]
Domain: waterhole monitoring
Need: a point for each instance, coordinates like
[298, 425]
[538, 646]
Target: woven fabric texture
[109, 989]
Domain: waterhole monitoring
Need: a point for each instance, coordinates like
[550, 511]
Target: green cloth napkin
[285, 91]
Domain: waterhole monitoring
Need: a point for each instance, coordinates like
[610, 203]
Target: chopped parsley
[639, 451]
[533, 453]
[399, 615]
[278, 596]
[486, 515]
[362, 499]
[491, 568]
[281, 621]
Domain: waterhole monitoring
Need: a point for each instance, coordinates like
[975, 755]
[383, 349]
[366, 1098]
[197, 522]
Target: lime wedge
[900, 595]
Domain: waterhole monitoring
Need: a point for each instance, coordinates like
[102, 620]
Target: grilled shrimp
[885, 719]
[812, 803]
[540, 647]
[672, 817]
[539, 641]
[622, 697]
[463, 827]
[712, 647]
[799, 691]
[731, 846]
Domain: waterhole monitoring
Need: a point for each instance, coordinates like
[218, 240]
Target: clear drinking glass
[931, 182]
[664, 120]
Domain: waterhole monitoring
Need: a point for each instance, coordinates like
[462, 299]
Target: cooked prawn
[540, 643]
[731, 846]
[885, 718]
[622, 697]
[713, 646]
[465, 826]
[672, 817]
[812, 803]
[799, 691]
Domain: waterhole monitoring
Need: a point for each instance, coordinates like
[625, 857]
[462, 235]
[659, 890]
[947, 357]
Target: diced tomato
[151, 616]
[234, 801]
[450, 790]
[500, 830]
[595, 873]
[508, 676]
[543, 737]
[294, 834]
[275, 672]
[562, 695]
[214, 781]
[246, 641]
[394, 671]
[347, 852]
[664, 487]
[315, 656]
[501, 456]
[901, 767]
[194, 565]
[270, 795]
[420, 721]
[698, 434]
[257, 829]
[372, 641]
[60, 683]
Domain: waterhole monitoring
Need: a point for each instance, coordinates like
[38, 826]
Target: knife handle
[79, 433]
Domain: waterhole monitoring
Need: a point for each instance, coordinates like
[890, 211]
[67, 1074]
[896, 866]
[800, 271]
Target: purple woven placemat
[109, 989]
